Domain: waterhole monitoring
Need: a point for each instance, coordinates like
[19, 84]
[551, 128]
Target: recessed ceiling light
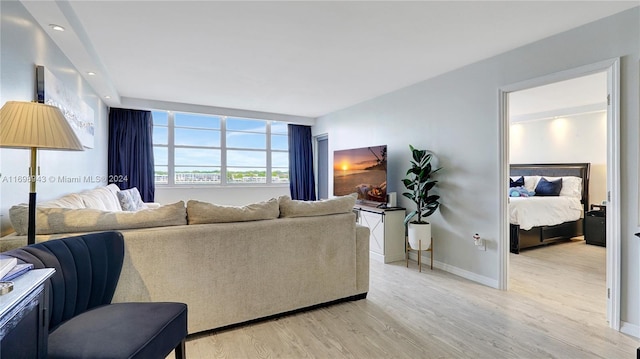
[56, 27]
[107, 97]
[91, 73]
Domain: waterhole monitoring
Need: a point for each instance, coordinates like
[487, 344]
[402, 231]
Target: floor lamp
[34, 125]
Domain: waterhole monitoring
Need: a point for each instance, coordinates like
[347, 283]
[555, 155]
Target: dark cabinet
[595, 226]
[24, 323]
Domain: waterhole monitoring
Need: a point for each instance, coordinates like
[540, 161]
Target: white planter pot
[419, 232]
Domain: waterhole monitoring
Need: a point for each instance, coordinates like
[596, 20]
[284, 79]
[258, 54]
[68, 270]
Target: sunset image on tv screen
[363, 171]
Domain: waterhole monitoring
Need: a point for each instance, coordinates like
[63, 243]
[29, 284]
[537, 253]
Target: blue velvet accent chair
[83, 323]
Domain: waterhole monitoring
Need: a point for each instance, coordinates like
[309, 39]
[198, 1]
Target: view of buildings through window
[206, 149]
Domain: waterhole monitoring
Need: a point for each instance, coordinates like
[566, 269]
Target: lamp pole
[31, 231]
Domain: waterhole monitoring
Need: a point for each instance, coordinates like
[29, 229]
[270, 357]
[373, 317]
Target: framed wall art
[51, 91]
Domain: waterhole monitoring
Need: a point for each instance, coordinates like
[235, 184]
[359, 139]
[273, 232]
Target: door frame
[612, 68]
[316, 162]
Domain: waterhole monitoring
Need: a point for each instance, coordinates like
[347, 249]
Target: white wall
[24, 45]
[231, 195]
[567, 139]
[456, 116]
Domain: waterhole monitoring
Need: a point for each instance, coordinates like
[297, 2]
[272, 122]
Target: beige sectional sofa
[232, 265]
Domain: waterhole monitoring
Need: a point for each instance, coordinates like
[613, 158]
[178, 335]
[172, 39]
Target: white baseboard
[386, 259]
[376, 257]
[630, 329]
[490, 282]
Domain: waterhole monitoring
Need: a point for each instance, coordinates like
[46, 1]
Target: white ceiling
[299, 58]
[585, 94]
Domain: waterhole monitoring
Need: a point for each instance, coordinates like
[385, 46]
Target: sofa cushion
[130, 200]
[295, 208]
[72, 200]
[67, 220]
[100, 198]
[203, 212]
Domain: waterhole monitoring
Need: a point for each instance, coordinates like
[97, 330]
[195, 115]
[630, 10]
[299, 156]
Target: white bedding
[534, 211]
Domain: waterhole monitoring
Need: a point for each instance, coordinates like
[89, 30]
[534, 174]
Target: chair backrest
[87, 271]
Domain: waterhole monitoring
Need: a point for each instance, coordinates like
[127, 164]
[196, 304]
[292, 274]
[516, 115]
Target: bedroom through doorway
[567, 120]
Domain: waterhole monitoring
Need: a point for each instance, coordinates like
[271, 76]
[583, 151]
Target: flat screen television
[363, 171]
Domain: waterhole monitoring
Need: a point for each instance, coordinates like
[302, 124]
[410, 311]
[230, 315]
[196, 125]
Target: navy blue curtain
[301, 181]
[130, 162]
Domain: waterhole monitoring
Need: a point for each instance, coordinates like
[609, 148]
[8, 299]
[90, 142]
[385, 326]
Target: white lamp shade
[36, 125]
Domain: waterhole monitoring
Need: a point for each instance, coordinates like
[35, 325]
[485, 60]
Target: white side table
[386, 230]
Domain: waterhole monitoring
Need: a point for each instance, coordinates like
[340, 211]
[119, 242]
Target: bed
[539, 220]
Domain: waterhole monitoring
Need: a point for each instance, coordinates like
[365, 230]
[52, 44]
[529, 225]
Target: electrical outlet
[479, 242]
[482, 246]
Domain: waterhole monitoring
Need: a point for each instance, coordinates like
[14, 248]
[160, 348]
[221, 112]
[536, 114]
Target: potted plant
[418, 183]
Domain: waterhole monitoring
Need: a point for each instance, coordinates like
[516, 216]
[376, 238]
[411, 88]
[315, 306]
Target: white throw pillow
[93, 199]
[100, 198]
[72, 200]
[530, 182]
[571, 186]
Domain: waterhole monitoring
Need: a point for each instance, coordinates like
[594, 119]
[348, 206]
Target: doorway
[322, 159]
[611, 69]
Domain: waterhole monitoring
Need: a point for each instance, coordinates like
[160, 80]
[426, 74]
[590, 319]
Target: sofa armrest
[362, 258]
[12, 241]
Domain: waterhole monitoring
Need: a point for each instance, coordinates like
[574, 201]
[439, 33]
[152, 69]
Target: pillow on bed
[571, 186]
[519, 182]
[530, 182]
[548, 188]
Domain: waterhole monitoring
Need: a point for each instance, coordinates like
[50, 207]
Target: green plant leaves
[418, 182]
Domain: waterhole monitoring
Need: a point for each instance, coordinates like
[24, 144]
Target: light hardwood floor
[435, 314]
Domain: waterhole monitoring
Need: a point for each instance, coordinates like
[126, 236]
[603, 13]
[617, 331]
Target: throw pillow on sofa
[101, 198]
[71, 200]
[295, 208]
[130, 200]
[203, 212]
[67, 220]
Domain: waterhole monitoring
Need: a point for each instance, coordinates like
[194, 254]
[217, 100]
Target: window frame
[171, 147]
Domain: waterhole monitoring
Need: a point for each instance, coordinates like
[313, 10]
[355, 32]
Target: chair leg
[180, 352]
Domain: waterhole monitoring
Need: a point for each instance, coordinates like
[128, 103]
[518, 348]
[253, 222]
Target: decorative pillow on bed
[571, 186]
[519, 182]
[548, 188]
[530, 182]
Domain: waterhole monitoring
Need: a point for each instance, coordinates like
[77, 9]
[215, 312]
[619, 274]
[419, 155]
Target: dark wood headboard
[557, 170]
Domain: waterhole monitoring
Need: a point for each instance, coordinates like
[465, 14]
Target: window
[218, 150]
[161, 146]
